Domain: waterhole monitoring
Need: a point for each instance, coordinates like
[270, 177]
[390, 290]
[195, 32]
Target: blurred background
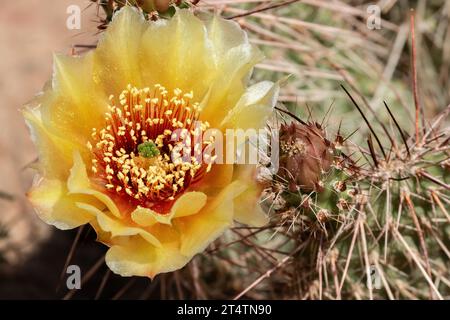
[320, 43]
[31, 30]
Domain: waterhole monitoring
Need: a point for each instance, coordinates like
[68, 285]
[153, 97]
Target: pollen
[144, 151]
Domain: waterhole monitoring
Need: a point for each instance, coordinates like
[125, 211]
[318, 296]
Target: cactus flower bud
[158, 5]
[305, 154]
[150, 5]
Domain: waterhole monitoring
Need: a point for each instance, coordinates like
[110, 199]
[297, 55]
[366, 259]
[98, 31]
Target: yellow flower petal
[136, 257]
[78, 183]
[253, 108]
[181, 44]
[55, 153]
[102, 236]
[56, 207]
[198, 231]
[224, 35]
[116, 59]
[247, 207]
[117, 227]
[187, 204]
[234, 58]
[234, 71]
[248, 210]
[144, 217]
[219, 177]
[77, 104]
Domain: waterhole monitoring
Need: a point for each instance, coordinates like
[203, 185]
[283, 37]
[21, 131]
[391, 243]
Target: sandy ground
[30, 31]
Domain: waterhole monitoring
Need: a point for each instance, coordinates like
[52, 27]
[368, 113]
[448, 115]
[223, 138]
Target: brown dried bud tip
[305, 154]
[149, 5]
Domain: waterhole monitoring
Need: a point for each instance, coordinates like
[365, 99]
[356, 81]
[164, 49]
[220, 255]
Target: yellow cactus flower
[103, 125]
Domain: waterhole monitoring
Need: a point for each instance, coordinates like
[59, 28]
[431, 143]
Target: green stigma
[148, 149]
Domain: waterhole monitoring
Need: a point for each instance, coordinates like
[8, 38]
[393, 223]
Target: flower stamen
[134, 153]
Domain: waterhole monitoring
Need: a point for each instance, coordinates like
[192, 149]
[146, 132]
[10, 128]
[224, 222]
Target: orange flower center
[149, 147]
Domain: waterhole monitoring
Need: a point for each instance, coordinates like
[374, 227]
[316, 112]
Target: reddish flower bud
[305, 154]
